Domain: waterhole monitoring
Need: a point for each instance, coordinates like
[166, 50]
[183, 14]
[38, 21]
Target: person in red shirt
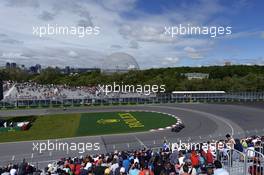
[146, 171]
[78, 169]
[195, 159]
[72, 167]
[209, 157]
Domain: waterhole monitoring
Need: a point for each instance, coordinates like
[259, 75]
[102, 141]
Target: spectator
[114, 166]
[123, 171]
[209, 157]
[218, 169]
[238, 146]
[256, 168]
[144, 162]
[191, 170]
[13, 170]
[134, 170]
[174, 157]
[146, 171]
[185, 169]
[195, 159]
[126, 163]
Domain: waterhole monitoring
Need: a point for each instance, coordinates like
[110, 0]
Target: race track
[203, 122]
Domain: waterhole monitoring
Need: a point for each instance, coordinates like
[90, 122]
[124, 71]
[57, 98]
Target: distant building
[227, 63]
[196, 75]
[7, 65]
[67, 70]
[13, 65]
[119, 63]
[35, 69]
[38, 66]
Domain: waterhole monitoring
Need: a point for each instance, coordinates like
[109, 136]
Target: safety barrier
[250, 162]
[161, 98]
[254, 162]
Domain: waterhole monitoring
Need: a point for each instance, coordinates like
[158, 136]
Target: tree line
[227, 78]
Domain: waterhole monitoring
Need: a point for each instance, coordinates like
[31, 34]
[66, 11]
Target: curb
[179, 121]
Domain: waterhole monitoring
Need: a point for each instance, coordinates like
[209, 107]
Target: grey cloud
[133, 44]
[85, 23]
[116, 46]
[11, 41]
[67, 5]
[46, 16]
[2, 35]
[5, 39]
[74, 7]
[87, 19]
[23, 3]
[85, 14]
[118, 5]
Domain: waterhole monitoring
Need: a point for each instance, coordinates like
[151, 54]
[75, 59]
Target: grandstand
[33, 91]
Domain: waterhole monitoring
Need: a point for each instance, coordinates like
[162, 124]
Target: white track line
[141, 143]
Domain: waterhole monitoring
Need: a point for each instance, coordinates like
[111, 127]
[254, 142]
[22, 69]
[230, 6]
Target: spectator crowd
[166, 161]
[34, 91]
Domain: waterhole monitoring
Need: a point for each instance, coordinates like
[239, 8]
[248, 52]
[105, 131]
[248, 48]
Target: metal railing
[254, 162]
[161, 98]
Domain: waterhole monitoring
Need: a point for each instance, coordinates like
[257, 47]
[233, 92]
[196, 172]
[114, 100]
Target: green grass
[46, 127]
[89, 125]
[72, 125]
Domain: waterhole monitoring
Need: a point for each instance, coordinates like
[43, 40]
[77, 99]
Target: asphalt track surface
[203, 122]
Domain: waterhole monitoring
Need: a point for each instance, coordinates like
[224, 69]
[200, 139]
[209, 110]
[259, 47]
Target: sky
[135, 27]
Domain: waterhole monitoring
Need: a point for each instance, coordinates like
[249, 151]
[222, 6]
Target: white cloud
[118, 5]
[141, 36]
[192, 53]
[72, 54]
[170, 61]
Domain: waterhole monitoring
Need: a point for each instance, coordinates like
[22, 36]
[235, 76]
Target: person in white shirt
[13, 171]
[114, 166]
[181, 159]
[219, 170]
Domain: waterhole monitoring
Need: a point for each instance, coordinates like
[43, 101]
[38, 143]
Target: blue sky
[135, 27]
